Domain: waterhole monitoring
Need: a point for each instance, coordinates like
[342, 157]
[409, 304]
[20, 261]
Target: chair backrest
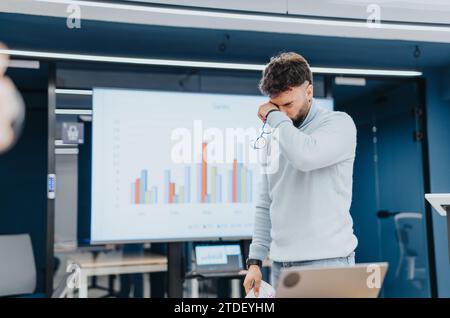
[17, 266]
[409, 227]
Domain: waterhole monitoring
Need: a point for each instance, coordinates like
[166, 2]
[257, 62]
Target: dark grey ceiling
[46, 33]
[103, 38]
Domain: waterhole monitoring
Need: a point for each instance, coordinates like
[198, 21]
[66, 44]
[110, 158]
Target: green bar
[181, 195]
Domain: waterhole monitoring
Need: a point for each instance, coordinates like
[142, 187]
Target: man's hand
[264, 109]
[253, 279]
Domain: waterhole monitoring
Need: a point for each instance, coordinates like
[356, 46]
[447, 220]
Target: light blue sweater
[302, 211]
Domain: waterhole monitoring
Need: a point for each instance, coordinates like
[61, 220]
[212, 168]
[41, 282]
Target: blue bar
[166, 185]
[199, 180]
[249, 186]
[143, 185]
[187, 184]
[238, 182]
[230, 187]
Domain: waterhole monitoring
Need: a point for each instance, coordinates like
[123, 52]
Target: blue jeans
[328, 262]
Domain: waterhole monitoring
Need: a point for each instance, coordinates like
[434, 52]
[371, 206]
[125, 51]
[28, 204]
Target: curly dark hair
[285, 70]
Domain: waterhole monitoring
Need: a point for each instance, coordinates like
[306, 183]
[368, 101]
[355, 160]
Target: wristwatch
[251, 261]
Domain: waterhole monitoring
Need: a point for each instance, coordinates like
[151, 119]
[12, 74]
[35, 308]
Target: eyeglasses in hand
[261, 141]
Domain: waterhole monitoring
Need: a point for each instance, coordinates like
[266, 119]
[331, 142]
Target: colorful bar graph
[235, 185]
[141, 193]
[175, 192]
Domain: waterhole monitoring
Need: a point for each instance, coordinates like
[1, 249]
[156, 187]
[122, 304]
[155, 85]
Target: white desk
[113, 263]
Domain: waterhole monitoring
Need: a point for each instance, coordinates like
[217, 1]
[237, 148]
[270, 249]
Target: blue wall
[438, 121]
[394, 182]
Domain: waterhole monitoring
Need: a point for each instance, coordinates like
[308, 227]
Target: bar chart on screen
[190, 173]
[236, 185]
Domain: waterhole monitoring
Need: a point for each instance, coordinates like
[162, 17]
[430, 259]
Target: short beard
[301, 115]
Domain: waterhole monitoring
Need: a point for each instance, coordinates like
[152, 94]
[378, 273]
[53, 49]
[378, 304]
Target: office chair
[408, 226]
[18, 269]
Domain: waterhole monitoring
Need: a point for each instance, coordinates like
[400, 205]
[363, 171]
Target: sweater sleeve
[259, 248]
[334, 141]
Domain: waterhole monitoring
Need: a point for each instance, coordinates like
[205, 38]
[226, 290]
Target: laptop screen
[218, 258]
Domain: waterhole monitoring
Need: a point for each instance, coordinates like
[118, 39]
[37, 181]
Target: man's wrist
[252, 261]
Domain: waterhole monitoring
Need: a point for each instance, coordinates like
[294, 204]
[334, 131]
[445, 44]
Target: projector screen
[171, 166]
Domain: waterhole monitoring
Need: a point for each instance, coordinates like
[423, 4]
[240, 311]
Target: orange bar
[171, 191]
[234, 180]
[137, 195]
[204, 167]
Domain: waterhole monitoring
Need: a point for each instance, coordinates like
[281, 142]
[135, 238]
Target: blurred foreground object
[12, 110]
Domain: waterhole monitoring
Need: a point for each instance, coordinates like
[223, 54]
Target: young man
[302, 213]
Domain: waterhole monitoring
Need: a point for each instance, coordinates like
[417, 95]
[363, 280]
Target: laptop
[218, 260]
[359, 281]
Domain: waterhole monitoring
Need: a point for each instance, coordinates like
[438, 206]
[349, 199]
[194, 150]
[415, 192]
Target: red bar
[204, 167]
[234, 180]
[137, 195]
[171, 191]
